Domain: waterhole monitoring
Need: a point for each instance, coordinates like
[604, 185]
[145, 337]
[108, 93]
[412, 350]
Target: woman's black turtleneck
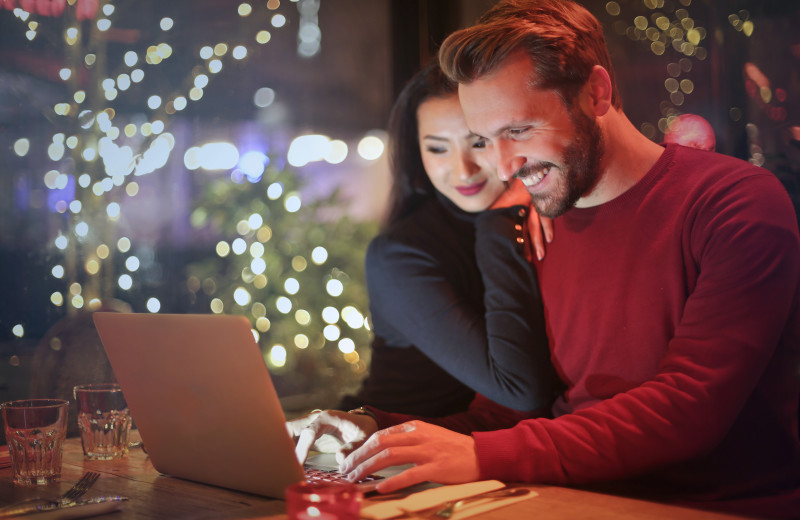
[455, 309]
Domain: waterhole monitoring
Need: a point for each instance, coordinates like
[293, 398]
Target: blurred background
[229, 157]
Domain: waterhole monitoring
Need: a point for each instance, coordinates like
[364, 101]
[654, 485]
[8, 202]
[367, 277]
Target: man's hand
[438, 455]
[347, 429]
[540, 229]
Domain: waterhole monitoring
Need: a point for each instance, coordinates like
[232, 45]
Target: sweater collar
[455, 211]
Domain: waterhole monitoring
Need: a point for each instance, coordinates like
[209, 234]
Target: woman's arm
[540, 229]
[502, 354]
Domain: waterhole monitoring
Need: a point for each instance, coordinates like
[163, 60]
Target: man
[671, 294]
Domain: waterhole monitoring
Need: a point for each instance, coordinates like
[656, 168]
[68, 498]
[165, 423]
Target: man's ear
[598, 87]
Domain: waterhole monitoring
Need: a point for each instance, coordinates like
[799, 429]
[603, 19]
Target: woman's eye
[435, 149]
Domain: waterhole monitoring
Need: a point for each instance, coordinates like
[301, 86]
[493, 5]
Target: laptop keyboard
[328, 476]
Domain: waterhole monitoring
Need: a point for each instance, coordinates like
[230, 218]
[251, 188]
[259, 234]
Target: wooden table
[154, 496]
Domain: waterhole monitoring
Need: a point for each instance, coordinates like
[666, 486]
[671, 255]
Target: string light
[108, 153]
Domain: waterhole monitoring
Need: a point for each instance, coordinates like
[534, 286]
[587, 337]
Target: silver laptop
[202, 399]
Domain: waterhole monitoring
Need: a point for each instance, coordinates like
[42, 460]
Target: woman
[435, 261]
[454, 301]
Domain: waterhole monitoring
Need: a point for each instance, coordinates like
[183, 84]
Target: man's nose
[508, 163]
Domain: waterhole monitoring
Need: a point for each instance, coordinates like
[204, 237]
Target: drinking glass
[35, 431]
[104, 421]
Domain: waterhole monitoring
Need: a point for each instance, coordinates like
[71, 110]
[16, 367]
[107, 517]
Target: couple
[671, 295]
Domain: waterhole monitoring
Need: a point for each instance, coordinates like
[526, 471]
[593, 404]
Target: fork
[82, 486]
[70, 496]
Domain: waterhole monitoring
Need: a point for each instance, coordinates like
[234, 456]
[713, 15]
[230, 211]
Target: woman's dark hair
[410, 184]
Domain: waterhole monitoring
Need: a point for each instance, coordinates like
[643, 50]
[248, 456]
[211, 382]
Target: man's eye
[517, 131]
[481, 143]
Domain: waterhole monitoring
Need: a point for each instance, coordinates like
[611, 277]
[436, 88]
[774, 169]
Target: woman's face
[456, 161]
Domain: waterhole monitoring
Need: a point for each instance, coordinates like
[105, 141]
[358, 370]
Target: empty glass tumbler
[35, 431]
[104, 421]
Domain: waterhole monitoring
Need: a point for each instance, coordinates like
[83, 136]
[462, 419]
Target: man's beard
[579, 171]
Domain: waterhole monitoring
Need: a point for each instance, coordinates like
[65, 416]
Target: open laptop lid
[202, 399]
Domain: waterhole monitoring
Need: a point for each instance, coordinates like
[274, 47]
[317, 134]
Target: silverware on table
[40, 503]
[78, 509]
[448, 509]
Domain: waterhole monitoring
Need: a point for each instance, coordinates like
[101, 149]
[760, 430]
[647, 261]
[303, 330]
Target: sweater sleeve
[502, 354]
[482, 415]
[748, 257]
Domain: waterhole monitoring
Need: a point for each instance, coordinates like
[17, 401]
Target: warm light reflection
[124, 244]
[223, 249]
[278, 21]
[319, 255]
[301, 341]
[353, 317]
[283, 304]
[213, 156]
[21, 147]
[253, 163]
[264, 97]
[239, 52]
[302, 317]
[132, 263]
[263, 37]
[241, 296]
[263, 324]
[277, 355]
[330, 315]
[346, 346]
[258, 310]
[274, 190]
[239, 246]
[308, 148]
[370, 147]
[292, 202]
[334, 287]
[125, 282]
[331, 332]
[291, 285]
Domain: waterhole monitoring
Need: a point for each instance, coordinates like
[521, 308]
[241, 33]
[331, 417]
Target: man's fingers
[346, 449]
[385, 458]
[384, 448]
[548, 228]
[535, 232]
[409, 477]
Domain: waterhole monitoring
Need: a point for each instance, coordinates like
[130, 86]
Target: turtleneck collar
[455, 211]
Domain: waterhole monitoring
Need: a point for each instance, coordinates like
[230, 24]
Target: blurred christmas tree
[125, 89]
[296, 270]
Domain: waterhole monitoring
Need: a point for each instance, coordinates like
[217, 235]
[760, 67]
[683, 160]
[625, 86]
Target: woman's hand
[330, 431]
[540, 229]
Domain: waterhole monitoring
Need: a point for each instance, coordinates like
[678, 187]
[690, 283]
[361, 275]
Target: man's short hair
[562, 38]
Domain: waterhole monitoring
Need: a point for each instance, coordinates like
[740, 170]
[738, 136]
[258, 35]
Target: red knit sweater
[673, 313]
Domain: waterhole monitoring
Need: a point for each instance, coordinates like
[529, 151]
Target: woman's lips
[472, 189]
